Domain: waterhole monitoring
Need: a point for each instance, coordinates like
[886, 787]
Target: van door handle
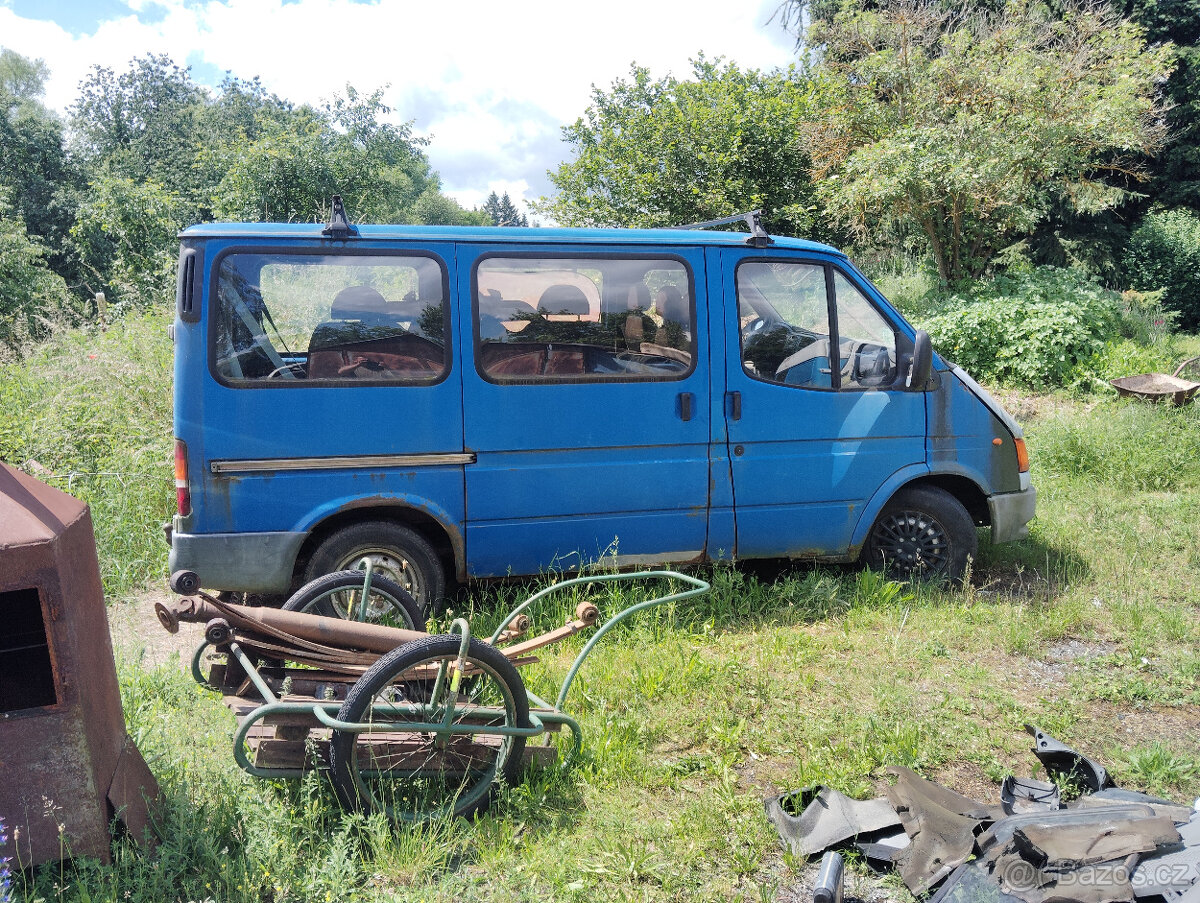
[735, 405]
[685, 406]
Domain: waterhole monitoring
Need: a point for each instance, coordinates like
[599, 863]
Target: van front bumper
[1011, 514]
[247, 562]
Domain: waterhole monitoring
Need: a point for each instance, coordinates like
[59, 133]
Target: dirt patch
[137, 635]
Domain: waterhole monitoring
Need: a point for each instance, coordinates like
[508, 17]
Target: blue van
[461, 403]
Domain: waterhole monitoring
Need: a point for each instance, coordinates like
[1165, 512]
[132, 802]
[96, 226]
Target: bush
[1031, 330]
[1164, 253]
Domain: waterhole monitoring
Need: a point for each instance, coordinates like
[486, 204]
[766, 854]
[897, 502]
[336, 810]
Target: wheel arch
[433, 523]
[961, 487]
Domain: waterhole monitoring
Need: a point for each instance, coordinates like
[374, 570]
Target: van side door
[586, 400]
[816, 409]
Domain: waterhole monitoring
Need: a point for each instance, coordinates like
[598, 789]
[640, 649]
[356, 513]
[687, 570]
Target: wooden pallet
[295, 740]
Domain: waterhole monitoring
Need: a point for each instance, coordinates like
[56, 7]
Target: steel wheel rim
[386, 562]
[470, 790]
[912, 541]
[345, 604]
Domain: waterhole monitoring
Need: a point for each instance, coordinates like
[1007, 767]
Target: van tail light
[1022, 456]
[183, 492]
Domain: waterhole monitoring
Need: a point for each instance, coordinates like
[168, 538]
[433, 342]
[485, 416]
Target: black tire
[416, 777]
[922, 532]
[396, 551]
[339, 595]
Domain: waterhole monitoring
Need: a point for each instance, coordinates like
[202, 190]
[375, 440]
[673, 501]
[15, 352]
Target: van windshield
[313, 317]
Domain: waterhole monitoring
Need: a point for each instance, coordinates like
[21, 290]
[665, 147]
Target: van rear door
[815, 407]
[586, 405]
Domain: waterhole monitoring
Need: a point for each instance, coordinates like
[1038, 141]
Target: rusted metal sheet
[64, 752]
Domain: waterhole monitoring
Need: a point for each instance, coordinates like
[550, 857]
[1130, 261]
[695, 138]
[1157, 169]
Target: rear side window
[289, 319]
[555, 319]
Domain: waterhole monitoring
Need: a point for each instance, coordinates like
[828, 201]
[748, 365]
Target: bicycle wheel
[339, 595]
[414, 774]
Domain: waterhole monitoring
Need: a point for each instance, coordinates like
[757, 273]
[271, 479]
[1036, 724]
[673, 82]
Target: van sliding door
[586, 405]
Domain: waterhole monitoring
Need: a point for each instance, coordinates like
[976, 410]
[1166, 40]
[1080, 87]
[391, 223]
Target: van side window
[302, 319]
[783, 312]
[583, 319]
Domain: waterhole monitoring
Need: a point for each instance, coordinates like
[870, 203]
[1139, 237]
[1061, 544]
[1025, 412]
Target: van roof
[498, 234]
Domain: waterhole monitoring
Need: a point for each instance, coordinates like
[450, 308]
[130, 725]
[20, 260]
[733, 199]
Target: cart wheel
[415, 775]
[339, 595]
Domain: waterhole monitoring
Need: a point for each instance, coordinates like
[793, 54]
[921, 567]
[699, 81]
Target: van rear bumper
[1011, 514]
[248, 562]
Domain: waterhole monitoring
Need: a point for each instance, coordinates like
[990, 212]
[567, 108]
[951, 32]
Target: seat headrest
[639, 297]
[355, 300]
[671, 305]
[564, 299]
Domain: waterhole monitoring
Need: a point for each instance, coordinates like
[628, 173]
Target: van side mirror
[921, 363]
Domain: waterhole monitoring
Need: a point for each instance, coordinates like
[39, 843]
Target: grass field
[781, 678]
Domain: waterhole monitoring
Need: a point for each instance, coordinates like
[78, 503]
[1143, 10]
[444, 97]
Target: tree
[126, 231]
[34, 169]
[32, 297]
[141, 124]
[667, 152]
[960, 132]
[503, 212]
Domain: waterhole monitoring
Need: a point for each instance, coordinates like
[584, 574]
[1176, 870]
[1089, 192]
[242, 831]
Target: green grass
[1089, 628]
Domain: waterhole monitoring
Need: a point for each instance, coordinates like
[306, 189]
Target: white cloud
[491, 82]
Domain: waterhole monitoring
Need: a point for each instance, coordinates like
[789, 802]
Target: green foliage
[32, 297]
[1164, 254]
[126, 231]
[91, 414]
[957, 134]
[34, 169]
[668, 152]
[1127, 445]
[1030, 330]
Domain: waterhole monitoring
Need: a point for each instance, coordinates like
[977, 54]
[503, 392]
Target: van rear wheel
[397, 552]
[922, 532]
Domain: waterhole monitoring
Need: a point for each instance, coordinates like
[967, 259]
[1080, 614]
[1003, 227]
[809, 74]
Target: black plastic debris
[1060, 759]
[1174, 871]
[941, 824]
[818, 818]
[1020, 795]
[1109, 846]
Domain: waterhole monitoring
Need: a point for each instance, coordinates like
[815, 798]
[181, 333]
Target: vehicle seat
[564, 301]
[366, 341]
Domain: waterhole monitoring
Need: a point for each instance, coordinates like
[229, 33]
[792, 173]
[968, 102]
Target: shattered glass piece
[1058, 758]
[812, 820]
[971, 884]
[1020, 795]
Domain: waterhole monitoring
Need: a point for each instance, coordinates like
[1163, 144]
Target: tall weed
[1124, 444]
[90, 413]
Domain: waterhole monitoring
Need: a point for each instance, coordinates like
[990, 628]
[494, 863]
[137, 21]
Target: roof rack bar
[752, 218]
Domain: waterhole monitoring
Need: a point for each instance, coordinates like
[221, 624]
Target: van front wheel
[922, 531]
[396, 551]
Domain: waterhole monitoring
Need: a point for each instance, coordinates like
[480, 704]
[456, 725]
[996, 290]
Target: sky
[490, 83]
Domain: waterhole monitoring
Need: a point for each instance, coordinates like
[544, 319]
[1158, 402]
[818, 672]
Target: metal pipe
[315, 628]
[828, 888]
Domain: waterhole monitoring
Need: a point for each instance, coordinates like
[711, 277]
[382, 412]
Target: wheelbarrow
[1158, 386]
[415, 725]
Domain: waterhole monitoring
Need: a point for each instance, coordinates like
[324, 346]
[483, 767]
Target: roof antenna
[339, 228]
